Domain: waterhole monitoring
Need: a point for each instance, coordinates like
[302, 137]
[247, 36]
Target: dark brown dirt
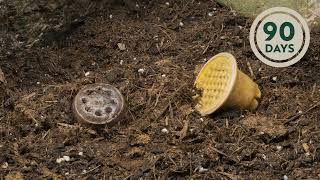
[37, 126]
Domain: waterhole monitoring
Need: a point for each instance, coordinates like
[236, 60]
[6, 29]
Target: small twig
[67, 125]
[297, 116]
[218, 151]
[91, 170]
[170, 98]
[183, 133]
[231, 176]
[222, 153]
[313, 89]
[45, 134]
[250, 70]
[145, 168]
[2, 76]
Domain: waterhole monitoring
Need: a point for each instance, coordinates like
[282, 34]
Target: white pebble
[5, 165]
[84, 171]
[210, 14]
[134, 59]
[110, 16]
[80, 154]
[275, 78]
[279, 148]
[38, 82]
[165, 130]
[181, 24]
[67, 173]
[87, 74]
[167, 3]
[264, 157]
[140, 70]
[300, 112]
[163, 75]
[137, 5]
[201, 169]
[121, 62]
[66, 158]
[121, 46]
[59, 160]
[285, 177]
[201, 119]
[214, 9]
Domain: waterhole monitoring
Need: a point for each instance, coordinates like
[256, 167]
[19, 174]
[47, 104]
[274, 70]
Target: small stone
[121, 62]
[59, 160]
[201, 169]
[66, 158]
[67, 173]
[165, 130]
[137, 6]
[163, 75]
[274, 79]
[140, 70]
[38, 83]
[84, 171]
[210, 14]
[5, 165]
[214, 9]
[279, 148]
[121, 46]
[110, 16]
[285, 177]
[201, 119]
[181, 24]
[80, 153]
[86, 74]
[167, 3]
[264, 156]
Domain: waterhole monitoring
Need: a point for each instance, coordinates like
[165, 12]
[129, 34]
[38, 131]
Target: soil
[161, 136]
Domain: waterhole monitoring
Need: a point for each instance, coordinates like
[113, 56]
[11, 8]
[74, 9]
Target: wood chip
[2, 77]
[183, 133]
[306, 148]
[121, 46]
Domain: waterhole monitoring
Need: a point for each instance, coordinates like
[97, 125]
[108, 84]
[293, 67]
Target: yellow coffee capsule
[222, 85]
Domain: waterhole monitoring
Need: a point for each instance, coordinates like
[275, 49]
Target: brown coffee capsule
[98, 104]
[224, 86]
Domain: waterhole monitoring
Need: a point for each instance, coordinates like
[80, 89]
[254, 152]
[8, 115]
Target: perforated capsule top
[98, 104]
[215, 81]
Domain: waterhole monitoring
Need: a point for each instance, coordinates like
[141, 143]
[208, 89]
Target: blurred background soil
[50, 49]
